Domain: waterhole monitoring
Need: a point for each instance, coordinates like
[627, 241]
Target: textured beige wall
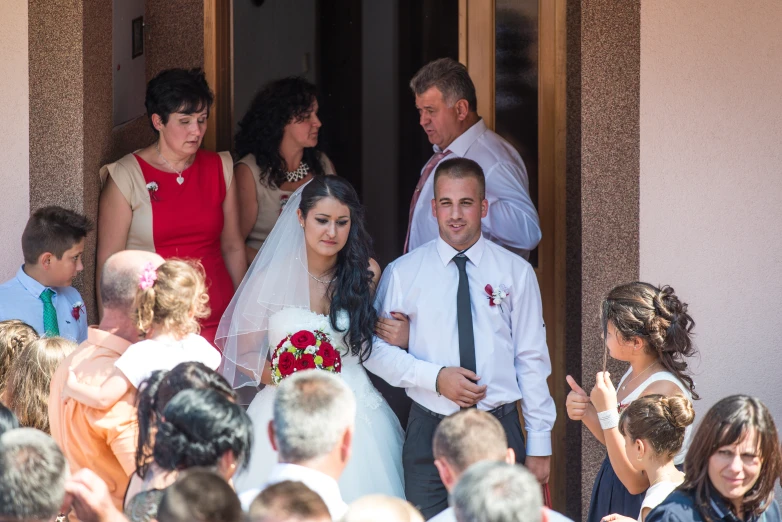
[711, 182]
[14, 133]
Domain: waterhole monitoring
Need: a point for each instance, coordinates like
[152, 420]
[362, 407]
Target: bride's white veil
[277, 279]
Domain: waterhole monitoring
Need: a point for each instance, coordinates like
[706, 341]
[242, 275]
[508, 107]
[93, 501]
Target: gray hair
[497, 492]
[451, 79]
[469, 436]
[312, 410]
[33, 471]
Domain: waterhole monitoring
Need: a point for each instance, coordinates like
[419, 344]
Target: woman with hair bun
[169, 302]
[648, 327]
[198, 428]
[653, 428]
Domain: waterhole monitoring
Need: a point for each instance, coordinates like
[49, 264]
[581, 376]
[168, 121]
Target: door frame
[477, 37]
[218, 68]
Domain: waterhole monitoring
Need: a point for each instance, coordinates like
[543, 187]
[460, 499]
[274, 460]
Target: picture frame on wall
[137, 34]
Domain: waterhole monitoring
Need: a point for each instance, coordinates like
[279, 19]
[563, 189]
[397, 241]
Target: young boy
[41, 294]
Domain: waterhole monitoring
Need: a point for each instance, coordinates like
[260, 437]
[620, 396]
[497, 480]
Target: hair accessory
[608, 419]
[148, 277]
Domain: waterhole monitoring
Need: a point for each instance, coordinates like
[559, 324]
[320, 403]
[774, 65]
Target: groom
[477, 337]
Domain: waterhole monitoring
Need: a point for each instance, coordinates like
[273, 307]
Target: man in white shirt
[447, 105]
[464, 439]
[312, 429]
[477, 336]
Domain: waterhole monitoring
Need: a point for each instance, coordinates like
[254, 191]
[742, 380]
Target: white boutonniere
[152, 188]
[497, 297]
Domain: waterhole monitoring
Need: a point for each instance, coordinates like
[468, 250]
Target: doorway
[361, 55]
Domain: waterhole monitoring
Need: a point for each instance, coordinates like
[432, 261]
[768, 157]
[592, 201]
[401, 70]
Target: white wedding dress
[375, 466]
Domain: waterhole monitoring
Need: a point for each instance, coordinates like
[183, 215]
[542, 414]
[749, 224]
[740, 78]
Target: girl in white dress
[169, 302]
[653, 428]
[650, 328]
[314, 272]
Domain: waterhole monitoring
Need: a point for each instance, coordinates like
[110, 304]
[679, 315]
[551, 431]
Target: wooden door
[218, 67]
[478, 36]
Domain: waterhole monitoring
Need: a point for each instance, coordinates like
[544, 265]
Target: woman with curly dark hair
[278, 146]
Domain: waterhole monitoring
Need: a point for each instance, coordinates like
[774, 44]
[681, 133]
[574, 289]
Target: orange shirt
[101, 440]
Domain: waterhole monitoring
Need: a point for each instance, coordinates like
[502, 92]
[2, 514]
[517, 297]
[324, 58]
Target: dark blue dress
[610, 496]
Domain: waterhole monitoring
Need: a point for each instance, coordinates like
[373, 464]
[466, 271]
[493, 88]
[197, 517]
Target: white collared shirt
[512, 220]
[510, 339]
[325, 486]
[20, 298]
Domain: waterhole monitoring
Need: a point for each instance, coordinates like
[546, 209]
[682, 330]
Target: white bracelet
[608, 419]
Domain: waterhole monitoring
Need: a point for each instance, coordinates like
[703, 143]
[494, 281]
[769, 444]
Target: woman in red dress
[173, 197]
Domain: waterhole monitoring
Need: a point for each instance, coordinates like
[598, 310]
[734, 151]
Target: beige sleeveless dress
[271, 200]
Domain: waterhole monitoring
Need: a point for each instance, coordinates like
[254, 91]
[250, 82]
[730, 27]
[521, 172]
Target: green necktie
[50, 326]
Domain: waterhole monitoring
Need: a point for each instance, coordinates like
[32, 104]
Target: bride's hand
[266, 374]
[395, 331]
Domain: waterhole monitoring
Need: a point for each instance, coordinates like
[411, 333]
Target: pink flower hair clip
[148, 277]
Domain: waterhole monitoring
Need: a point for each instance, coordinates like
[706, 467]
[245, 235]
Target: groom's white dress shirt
[512, 220]
[325, 486]
[510, 339]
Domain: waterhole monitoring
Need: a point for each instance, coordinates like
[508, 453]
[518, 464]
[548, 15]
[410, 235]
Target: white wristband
[608, 419]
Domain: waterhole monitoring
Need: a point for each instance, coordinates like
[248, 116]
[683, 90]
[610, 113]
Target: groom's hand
[539, 466]
[458, 384]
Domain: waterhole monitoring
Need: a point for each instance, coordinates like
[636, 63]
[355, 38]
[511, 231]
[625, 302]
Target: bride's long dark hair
[351, 290]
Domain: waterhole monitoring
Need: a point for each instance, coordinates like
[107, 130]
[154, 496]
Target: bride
[314, 271]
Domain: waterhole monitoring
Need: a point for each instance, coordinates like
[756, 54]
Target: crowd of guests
[131, 420]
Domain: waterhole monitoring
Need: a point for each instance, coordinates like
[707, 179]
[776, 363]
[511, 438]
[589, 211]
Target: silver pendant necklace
[298, 174]
[624, 386]
[180, 178]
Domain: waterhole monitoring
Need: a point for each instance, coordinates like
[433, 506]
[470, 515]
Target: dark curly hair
[351, 289]
[155, 393]
[261, 129]
[657, 316]
[198, 427]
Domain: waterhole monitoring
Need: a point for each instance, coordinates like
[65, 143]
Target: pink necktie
[422, 180]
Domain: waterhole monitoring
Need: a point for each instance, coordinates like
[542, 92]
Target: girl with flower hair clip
[169, 302]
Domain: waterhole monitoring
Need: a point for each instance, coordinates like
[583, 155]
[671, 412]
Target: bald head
[119, 279]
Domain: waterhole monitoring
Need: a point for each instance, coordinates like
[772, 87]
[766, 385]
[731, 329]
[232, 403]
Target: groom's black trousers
[423, 487]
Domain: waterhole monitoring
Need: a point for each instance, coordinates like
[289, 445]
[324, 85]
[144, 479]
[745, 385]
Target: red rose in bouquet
[328, 354]
[305, 362]
[303, 339]
[287, 363]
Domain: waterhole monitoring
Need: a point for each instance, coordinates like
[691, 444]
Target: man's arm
[532, 364]
[396, 366]
[513, 219]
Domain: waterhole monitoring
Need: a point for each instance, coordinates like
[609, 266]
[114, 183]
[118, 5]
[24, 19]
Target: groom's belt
[499, 412]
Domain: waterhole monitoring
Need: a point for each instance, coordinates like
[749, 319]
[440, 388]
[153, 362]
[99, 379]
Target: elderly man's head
[314, 417]
[33, 472]
[119, 285]
[497, 492]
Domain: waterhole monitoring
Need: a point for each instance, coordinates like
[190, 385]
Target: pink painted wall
[14, 133]
[711, 183]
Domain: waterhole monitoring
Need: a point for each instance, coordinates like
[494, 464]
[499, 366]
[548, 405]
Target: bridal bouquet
[304, 350]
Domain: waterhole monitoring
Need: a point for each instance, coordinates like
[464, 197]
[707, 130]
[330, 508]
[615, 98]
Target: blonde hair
[14, 336]
[30, 377]
[176, 300]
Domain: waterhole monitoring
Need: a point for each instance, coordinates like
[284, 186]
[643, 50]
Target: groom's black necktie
[464, 317]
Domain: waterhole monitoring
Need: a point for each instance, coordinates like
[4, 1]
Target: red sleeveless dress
[187, 221]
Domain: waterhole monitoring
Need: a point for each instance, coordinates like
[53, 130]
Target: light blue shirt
[20, 298]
